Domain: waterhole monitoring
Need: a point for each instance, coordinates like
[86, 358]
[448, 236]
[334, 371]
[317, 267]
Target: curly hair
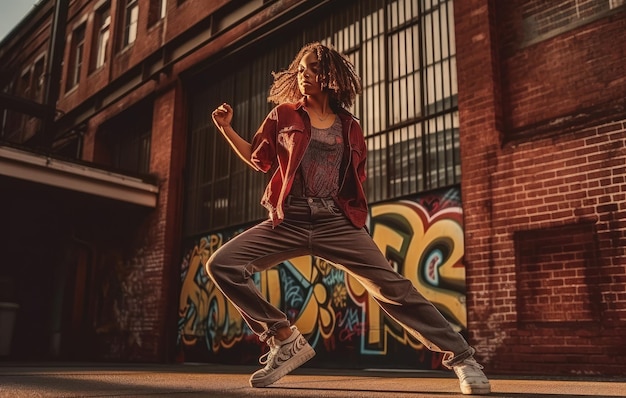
[337, 76]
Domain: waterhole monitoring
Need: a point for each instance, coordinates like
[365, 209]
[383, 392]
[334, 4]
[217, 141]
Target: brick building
[496, 134]
[543, 185]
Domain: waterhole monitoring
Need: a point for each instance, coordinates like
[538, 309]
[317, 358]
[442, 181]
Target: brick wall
[143, 325]
[544, 190]
[561, 237]
[167, 161]
[151, 39]
[556, 81]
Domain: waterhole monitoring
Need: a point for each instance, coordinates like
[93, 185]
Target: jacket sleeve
[264, 143]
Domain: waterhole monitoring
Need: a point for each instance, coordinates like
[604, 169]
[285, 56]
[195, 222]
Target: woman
[317, 206]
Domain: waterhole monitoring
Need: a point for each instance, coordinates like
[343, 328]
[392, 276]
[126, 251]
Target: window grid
[76, 57]
[128, 138]
[404, 52]
[157, 10]
[38, 79]
[131, 18]
[544, 20]
[103, 18]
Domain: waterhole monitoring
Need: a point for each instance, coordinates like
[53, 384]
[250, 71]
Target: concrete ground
[202, 380]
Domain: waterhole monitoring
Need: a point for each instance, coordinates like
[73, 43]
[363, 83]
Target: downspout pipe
[54, 70]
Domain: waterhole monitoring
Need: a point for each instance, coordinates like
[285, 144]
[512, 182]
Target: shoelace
[267, 357]
[469, 367]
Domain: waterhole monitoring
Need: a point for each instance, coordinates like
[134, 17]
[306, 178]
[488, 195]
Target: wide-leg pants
[314, 226]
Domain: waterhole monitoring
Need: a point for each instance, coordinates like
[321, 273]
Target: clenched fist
[222, 115]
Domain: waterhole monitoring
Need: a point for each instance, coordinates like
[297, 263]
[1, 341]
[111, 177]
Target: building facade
[496, 176]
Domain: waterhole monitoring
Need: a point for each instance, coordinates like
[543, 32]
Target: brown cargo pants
[315, 226]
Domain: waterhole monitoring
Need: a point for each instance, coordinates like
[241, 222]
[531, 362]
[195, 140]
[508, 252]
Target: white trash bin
[8, 312]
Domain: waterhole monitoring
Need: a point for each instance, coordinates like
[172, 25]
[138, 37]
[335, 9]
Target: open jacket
[280, 144]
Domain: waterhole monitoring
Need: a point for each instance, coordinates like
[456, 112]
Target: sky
[12, 12]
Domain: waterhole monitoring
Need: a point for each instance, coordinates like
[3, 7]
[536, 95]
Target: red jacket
[279, 145]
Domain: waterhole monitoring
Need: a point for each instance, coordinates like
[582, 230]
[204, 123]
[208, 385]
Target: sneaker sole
[476, 390]
[293, 363]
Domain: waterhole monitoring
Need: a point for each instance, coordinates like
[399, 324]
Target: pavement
[212, 380]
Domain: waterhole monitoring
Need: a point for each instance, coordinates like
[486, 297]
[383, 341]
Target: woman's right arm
[222, 117]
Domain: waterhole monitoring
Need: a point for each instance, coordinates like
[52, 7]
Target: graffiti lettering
[292, 291]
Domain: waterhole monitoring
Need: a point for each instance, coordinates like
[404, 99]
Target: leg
[231, 268]
[257, 249]
[354, 250]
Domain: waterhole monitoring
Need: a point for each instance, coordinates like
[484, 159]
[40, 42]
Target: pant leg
[338, 241]
[257, 249]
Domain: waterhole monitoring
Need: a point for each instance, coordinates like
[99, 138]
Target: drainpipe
[54, 70]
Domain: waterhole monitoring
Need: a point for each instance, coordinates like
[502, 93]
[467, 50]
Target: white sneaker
[472, 378]
[282, 358]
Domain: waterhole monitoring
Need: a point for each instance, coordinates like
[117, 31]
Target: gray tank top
[318, 174]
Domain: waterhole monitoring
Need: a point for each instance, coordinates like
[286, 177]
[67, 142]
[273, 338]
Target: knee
[400, 291]
[220, 270]
[212, 267]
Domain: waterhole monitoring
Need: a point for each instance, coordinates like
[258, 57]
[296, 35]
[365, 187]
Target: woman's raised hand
[222, 115]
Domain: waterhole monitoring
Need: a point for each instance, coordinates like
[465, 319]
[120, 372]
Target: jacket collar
[300, 103]
[342, 112]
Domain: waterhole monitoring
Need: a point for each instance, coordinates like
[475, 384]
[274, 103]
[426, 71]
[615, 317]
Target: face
[308, 72]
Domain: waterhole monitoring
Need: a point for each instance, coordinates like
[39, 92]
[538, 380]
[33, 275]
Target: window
[102, 37]
[404, 51]
[12, 121]
[77, 50]
[544, 20]
[410, 118]
[132, 153]
[157, 11]
[131, 18]
[38, 79]
[24, 86]
[128, 139]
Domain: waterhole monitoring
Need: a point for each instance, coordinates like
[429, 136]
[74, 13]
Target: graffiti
[203, 310]
[121, 302]
[349, 325]
[423, 240]
[294, 292]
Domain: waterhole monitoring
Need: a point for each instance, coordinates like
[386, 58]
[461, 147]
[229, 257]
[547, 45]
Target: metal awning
[43, 169]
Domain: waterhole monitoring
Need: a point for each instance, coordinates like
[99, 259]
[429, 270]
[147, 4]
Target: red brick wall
[167, 161]
[150, 41]
[579, 69]
[81, 12]
[488, 283]
[145, 329]
[544, 201]
[188, 13]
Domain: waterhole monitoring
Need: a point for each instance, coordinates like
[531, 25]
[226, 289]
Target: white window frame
[104, 35]
[131, 22]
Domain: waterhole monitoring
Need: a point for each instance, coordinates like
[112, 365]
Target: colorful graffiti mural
[423, 239]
